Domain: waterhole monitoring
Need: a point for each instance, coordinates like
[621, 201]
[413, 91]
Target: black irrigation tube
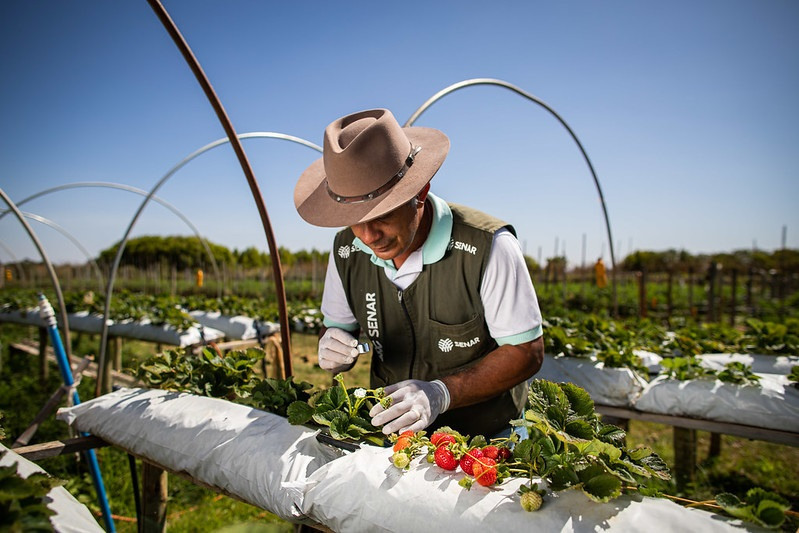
[490, 81]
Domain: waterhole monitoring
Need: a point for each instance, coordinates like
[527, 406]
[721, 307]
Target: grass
[742, 463]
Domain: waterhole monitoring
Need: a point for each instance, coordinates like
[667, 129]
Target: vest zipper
[413, 334]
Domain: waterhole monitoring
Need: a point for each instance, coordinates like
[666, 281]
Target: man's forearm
[500, 370]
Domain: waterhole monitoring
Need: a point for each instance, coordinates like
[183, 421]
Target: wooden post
[711, 293]
[691, 308]
[669, 299]
[715, 446]
[684, 456]
[641, 293]
[43, 366]
[732, 298]
[154, 498]
[117, 354]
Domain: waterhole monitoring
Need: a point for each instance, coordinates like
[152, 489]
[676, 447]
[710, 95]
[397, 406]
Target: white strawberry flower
[360, 393]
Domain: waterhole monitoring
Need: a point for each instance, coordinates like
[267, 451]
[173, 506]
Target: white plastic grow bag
[71, 515]
[244, 451]
[607, 386]
[144, 330]
[364, 492]
[773, 404]
[760, 364]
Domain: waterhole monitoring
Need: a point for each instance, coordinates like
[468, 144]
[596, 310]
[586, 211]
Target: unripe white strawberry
[400, 459]
[531, 501]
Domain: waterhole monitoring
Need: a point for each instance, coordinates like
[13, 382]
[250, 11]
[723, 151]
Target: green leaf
[602, 488]
[299, 412]
[327, 418]
[579, 399]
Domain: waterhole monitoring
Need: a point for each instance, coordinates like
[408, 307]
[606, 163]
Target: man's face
[392, 236]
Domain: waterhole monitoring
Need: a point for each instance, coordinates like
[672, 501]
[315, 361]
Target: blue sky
[687, 110]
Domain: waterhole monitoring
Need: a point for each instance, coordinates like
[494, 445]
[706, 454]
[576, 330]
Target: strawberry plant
[685, 368]
[275, 395]
[738, 373]
[770, 337]
[22, 500]
[345, 412]
[759, 506]
[571, 448]
[207, 374]
[793, 377]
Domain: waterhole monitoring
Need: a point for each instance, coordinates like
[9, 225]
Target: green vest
[437, 325]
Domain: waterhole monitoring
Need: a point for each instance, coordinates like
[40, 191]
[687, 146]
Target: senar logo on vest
[446, 345]
[345, 251]
[463, 246]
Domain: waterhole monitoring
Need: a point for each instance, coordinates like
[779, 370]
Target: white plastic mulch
[264, 460]
[71, 515]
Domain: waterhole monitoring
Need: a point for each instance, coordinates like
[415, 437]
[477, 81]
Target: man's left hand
[415, 404]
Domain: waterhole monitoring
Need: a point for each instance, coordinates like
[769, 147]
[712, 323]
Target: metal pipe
[46, 313]
[62, 308]
[68, 235]
[16, 261]
[140, 192]
[188, 55]
[490, 81]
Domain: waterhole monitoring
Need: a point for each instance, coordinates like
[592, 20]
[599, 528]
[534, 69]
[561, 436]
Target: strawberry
[468, 459]
[504, 453]
[402, 443]
[445, 458]
[485, 471]
[440, 438]
[531, 501]
[400, 460]
[404, 440]
[491, 451]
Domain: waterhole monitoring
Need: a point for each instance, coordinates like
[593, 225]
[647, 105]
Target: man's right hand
[337, 350]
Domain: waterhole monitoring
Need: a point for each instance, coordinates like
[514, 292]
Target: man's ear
[422, 196]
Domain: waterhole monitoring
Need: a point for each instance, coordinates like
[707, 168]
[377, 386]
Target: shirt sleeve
[335, 308]
[508, 295]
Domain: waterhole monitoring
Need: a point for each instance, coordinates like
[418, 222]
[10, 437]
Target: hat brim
[317, 207]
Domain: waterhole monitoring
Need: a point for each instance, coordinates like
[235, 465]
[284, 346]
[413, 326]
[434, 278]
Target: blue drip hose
[47, 314]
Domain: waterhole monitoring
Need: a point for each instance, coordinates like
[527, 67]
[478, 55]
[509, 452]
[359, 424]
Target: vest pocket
[453, 346]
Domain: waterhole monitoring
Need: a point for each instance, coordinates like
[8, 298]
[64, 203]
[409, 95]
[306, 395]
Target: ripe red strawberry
[440, 438]
[445, 458]
[485, 471]
[491, 451]
[468, 459]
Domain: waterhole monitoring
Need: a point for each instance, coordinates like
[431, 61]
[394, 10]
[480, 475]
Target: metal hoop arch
[68, 235]
[62, 308]
[15, 260]
[140, 192]
[490, 81]
[115, 266]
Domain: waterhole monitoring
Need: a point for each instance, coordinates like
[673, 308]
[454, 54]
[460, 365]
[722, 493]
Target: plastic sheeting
[773, 404]
[237, 327]
[144, 330]
[363, 492]
[243, 451]
[607, 386]
[760, 364]
[71, 515]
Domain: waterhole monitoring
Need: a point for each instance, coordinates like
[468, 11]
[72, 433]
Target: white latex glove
[337, 350]
[414, 406]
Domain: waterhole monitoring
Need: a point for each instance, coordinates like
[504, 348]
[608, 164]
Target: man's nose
[370, 233]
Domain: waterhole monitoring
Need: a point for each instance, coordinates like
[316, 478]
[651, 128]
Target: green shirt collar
[434, 247]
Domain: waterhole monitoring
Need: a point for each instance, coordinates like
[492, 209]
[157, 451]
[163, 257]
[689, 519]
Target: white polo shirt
[507, 293]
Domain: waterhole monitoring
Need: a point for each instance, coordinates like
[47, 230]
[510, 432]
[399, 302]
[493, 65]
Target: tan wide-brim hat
[370, 165]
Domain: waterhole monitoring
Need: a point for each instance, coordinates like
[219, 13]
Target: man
[441, 291]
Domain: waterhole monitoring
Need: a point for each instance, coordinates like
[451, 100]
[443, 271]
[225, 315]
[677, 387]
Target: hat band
[380, 190]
